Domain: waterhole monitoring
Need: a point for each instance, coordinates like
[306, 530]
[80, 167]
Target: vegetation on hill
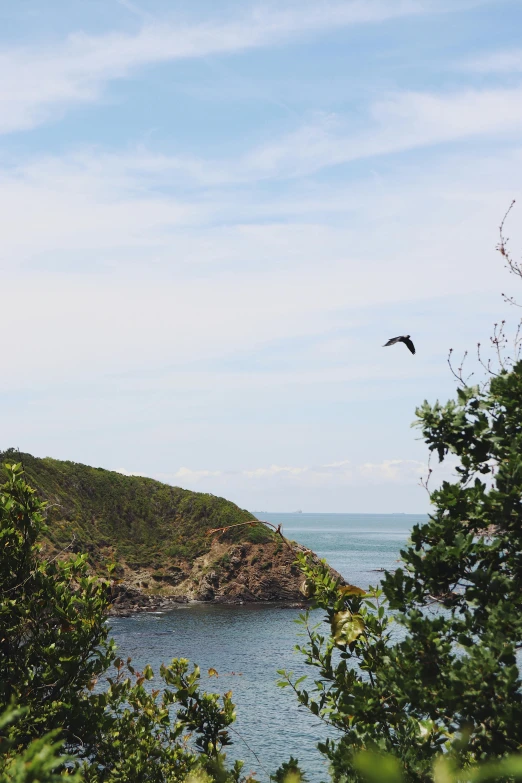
[130, 520]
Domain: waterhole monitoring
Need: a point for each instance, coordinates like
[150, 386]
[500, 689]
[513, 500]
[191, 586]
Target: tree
[53, 638]
[429, 662]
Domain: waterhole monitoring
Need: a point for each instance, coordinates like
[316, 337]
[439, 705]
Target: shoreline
[152, 605]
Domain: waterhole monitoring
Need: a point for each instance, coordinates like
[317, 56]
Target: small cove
[246, 644]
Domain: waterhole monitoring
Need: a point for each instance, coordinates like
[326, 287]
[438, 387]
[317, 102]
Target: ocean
[247, 644]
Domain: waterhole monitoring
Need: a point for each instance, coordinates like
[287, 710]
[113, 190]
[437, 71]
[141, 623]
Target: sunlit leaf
[351, 590]
[346, 627]
[307, 588]
[375, 768]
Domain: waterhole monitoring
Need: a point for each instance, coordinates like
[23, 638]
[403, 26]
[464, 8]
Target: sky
[213, 216]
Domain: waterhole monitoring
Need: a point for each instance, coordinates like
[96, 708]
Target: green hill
[137, 522]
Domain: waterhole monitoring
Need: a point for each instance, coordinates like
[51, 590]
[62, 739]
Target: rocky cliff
[158, 537]
[227, 573]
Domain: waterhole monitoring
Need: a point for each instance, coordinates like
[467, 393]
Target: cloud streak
[503, 62]
[295, 483]
[343, 473]
[35, 83]
[146, 281]
[395, 123]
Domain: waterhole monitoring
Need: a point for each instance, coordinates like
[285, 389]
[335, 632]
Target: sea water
[246, 644]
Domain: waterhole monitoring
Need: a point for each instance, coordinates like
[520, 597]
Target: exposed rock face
[128, 600]
[234, 573]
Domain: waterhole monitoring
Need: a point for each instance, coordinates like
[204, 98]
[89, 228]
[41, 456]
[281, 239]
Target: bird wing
[392, 341]
[409, 343]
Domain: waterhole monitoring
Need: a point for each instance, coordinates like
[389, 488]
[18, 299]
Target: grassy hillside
[138, 522]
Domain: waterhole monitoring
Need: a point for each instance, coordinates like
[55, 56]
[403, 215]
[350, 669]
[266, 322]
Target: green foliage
[255, 534]
[40, 762]
[53, 636]
[469, 554]
[129, 519]
[428, 663]
[382, 768]
[289, 772]
[58, 663]
[145, 732]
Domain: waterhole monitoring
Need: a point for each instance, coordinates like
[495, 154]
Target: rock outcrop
[237, 573]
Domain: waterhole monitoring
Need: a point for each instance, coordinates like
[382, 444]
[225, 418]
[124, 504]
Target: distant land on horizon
[345, 513]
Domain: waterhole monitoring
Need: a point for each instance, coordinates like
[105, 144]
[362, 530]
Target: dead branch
[458, 373]
[424, 482]
[32, 573]
[486, 366]
[253, 523]
[513, 266]
[231, 728]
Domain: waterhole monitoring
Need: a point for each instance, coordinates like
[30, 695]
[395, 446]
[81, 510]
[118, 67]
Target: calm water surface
[247, 644]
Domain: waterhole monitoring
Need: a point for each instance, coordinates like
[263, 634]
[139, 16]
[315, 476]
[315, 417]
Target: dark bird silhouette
[404, 339]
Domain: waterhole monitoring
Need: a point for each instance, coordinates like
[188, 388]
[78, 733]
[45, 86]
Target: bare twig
[517, 342]
[513, 266]
[437, 599]
[505, 353]
[485, 365]
[499, 341]
[231, 728]
[32, 573]
[502, 247]
[458, 373]
[425, 482]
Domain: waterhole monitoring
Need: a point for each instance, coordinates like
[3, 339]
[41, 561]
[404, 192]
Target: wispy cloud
[132, 195]
[299, 485]
[347, 472]
[187, 475]
[340, 473]
[399, 122]
[502, 62]
[88, 243]
[394, 123]
[37, 82]
[274, 470]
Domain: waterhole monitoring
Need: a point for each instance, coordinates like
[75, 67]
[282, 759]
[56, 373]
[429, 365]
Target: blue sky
[215, 213]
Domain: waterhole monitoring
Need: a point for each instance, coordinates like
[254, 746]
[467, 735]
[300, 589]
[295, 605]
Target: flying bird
[404, 339]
